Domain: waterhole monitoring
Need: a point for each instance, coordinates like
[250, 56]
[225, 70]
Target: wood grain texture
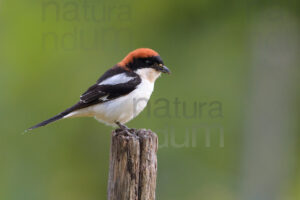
[133, 165]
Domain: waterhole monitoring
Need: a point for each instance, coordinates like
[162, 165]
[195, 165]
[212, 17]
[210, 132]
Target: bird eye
[148, 62]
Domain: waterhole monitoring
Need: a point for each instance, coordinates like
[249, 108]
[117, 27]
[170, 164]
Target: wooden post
[133, 165]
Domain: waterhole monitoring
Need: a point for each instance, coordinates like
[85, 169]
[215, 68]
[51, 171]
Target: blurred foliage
[51, 51]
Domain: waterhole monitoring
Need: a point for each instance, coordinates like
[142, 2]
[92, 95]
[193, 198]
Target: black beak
[164, 69]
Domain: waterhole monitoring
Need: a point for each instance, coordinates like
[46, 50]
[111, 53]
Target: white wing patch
[116, 79]
[104, 98]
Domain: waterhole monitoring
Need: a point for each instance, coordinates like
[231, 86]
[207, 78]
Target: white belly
[122, 109]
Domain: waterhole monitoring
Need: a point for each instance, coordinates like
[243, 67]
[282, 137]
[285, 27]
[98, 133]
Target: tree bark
[133, 165]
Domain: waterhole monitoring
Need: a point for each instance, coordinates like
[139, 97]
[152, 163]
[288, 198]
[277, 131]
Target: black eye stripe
[138, 63]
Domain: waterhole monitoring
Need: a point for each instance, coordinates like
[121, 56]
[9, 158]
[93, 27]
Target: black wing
[99, 93]
[102, 93]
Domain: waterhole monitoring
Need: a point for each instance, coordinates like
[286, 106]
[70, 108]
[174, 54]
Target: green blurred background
[234, 63]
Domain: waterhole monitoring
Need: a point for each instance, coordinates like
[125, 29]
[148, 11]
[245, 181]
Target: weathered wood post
[133, 165]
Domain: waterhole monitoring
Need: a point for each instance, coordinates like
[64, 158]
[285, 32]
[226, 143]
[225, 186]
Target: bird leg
[124, 128]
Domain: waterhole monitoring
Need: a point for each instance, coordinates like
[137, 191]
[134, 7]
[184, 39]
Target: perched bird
[121, 93]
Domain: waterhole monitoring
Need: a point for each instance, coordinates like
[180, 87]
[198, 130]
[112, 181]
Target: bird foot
[122, 126]
[125, 129]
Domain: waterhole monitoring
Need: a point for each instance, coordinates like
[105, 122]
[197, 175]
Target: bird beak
[164, 69]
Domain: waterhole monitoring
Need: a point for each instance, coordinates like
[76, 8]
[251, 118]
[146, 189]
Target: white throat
[149, 74]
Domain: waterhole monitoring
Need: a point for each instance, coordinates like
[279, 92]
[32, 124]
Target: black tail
[77, 106]
[44, 123]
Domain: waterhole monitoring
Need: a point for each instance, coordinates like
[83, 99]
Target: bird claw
[125, 129]
[122, 126]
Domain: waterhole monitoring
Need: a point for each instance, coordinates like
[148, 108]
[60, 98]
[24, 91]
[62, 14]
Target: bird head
[145, 62]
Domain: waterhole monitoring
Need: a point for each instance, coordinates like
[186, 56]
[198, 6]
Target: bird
[121, 93]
